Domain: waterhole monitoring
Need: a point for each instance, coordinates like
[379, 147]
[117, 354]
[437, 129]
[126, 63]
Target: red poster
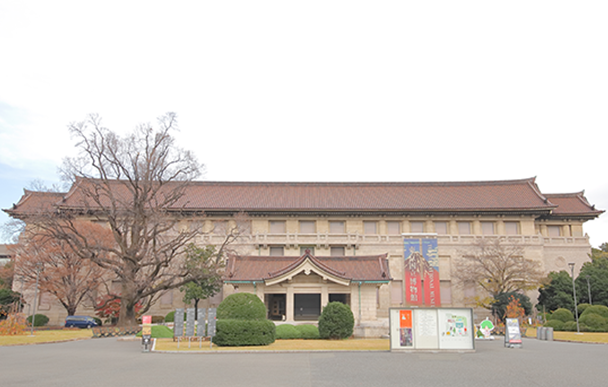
[146, 319]
[405, 319]
[413, 288]
[431, 288]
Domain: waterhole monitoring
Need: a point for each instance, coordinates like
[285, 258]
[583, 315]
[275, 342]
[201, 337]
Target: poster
[455, 329]
[405, 328]
[421, 264]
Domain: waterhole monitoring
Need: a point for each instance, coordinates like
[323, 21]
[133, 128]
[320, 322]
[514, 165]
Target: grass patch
[284, 345]
[160, 332]
[46, 336]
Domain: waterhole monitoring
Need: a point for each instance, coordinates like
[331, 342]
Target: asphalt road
[108, 362]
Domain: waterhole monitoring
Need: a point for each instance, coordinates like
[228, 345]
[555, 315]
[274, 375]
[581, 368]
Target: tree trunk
[196, 308]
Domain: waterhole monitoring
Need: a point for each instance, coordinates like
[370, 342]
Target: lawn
[46, 337]
[283, 345]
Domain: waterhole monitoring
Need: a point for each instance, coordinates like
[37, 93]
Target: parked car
[80, 322]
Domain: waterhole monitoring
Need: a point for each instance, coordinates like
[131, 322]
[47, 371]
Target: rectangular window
[554, 231]
[369, 228]
[277, 227]
[512, 228]
[277, 251]
[446, 292]
[337, 251]
[396, 293]
[220, 227]
[308, 226]
[393, 228]
[487, 228]
[464, 228]
[336, 227]
[441, 228]
[416, 226]
[303, 249]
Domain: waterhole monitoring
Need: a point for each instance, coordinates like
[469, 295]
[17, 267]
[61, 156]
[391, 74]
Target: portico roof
[273, 269]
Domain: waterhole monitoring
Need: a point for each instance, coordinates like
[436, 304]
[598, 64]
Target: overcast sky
[318, 90]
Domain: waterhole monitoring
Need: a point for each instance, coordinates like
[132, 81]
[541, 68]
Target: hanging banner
[421, 263]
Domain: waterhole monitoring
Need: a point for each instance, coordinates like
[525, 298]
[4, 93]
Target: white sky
[318, 90]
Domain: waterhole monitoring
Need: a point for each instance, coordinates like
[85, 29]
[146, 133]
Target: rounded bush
[287, 332]
[98, 321]
[581, 308]
[170, 317]
[336, 321]
[41, 320]
[244, 332]
[562, 314]
[557, 325]
[241, 306]
[596, 309]
[308, 331]
[594, 321]
[570, 326]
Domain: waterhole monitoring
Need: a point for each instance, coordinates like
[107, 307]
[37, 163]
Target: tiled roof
[260, 268]
[572, 204]
[489, 196]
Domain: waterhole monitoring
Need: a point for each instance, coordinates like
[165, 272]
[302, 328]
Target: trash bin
[539, 333]
[549, 334]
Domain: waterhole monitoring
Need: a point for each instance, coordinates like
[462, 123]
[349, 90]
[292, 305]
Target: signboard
[431, 329]
[201, 321]
[421, 266]
[211, 323]
[512, 333]
[189, 322]
[146, 332]
[178, 322]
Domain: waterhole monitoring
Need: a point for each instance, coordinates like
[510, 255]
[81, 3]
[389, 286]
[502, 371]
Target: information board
[211, 322]
[512, 333]
[431, 329]
[178, 322]
[201, 322]
[190, 322]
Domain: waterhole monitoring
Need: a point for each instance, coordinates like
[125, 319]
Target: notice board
[431, 329]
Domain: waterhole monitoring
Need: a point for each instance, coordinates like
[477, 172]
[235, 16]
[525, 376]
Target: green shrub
[287, 332]
[241, 306]
[570, 326]
[562, 314]
[232, 332]
[596, 309]
[308, 331]
[170, 317]
[595, 322]
[41, 320]
[336, 321]
[581, 308]
[557, 325]
[158, 319]
[98, 321]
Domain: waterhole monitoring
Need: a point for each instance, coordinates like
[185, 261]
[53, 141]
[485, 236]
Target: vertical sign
[405, 328]
[201, 319]
[512, 333]
[178, 326]
[211, 324]
[190, 322]
[421, 263]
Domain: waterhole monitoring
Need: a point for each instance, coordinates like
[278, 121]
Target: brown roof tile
[354, 268]
[572, 204]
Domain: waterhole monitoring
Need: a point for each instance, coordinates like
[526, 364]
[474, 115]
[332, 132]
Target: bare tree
[59, 269]
[136, 186]
[497, 267]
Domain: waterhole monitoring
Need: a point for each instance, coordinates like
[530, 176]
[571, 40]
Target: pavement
[110, 362]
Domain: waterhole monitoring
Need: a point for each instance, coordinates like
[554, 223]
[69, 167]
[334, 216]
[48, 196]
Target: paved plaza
[109, 362]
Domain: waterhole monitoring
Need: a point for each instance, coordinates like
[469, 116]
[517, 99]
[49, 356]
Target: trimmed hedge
[158, 319]
[41, 320]
[287, 332]
[241, 306]
[308, 331]
[594, 322]
[557, 325]
[170, 317]
[231, 332]
[596, 309]
[562, 314]
[336, 321]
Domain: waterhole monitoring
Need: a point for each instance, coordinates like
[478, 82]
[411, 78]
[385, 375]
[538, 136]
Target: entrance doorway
[307, 306]
[275, 303]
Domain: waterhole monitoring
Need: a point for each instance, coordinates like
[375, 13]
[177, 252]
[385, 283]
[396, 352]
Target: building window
[277, 251]
[336, 227]
[337, 251]
[393, 228]
[277, 227]
[220, 227]
[512, 228]
[464, 228]
[303, 249]
[441, 228]
[554, 231]
[308, 227]
[370, 228]
[487, 228]
[416, 226]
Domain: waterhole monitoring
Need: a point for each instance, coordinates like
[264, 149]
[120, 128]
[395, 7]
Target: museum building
[307, 244]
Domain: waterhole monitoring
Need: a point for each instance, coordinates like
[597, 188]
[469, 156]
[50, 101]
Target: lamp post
[571, 264]
[589, 289]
